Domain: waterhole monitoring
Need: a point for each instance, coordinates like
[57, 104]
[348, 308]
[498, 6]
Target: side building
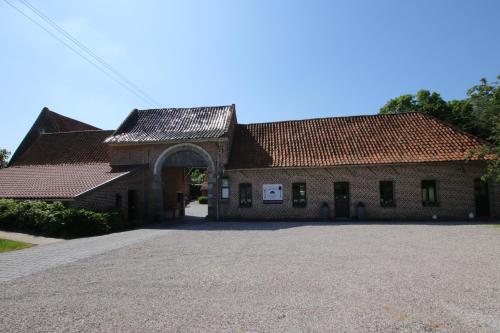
[406, 166]
[65, 160]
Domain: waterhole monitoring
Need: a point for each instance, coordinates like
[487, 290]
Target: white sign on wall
[272, 193]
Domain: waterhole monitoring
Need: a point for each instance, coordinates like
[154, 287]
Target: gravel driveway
[271, 277]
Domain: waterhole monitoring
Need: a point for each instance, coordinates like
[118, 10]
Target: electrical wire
[117, 77]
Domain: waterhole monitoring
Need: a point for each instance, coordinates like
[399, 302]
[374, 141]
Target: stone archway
[183, 155]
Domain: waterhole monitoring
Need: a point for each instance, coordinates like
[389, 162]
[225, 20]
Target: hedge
[203, 200]
[55, 220]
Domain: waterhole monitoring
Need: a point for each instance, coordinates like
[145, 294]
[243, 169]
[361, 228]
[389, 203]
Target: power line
[117, 77]
[86, 49]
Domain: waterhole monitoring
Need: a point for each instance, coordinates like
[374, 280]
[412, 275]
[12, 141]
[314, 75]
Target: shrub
[83, 223]
[203, 200]
[53, 219]
[8, 213]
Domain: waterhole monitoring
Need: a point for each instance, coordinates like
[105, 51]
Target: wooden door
[482, 198]
[341, 194]
[132, 204]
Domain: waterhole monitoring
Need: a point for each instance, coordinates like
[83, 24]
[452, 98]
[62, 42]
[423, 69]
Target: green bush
[203, 200]
[55, 220]
[8, 213]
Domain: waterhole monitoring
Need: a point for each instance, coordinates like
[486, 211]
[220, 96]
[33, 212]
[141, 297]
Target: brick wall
[149, 153]
[454, 188]
[104, 197]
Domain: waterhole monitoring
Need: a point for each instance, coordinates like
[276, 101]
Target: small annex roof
[61, 166]
[358, 140]
[172, 124]
[57, 181]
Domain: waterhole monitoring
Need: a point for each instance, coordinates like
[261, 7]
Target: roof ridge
[56, 164]
[52, 113]
[334, 117]
[80, 131]
[188, 108]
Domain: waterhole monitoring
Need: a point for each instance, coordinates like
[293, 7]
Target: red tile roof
[66, 148]
[56, 181]
[377, 139]
[61, 166]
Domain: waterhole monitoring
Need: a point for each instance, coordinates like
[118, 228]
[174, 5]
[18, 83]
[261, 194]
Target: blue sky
[275, 60]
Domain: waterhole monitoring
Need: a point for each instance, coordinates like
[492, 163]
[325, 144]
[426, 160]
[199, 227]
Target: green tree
[4, 158]
[403, 103]
[197, 176]
[424, 101]
[432, 104]
[485, 100]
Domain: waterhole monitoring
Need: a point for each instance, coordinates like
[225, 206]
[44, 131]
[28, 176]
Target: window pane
[386, 194]
[299, 194]
[429, 192]
[245, 195]
[424, 194]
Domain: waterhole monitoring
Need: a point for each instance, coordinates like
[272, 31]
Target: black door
[341, 193]
[132, 204]
[482, 197]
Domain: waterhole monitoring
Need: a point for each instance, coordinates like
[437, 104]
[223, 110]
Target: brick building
[405, 166]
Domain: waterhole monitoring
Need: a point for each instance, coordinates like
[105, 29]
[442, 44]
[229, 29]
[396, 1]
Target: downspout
[217, 158]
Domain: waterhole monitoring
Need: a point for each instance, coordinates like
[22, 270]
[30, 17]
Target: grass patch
[10, 245]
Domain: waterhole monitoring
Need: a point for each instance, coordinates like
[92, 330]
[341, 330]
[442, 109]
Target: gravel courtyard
[270, 277]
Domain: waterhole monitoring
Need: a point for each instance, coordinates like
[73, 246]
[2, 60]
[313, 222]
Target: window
[299, 198]
[245, 195]
[429, 193]
[224, 188]
[387, 194]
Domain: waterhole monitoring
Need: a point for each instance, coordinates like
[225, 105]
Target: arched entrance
[184, 155]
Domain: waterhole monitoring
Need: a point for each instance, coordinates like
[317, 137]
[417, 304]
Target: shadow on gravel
[203, 224]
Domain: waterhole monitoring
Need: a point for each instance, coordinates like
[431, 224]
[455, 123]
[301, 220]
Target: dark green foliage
[403, 103]
[203, 200]
[4, 158]
[485, 99]
[478, 114]
[55, 220]
[197, 176]
[424, 101]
